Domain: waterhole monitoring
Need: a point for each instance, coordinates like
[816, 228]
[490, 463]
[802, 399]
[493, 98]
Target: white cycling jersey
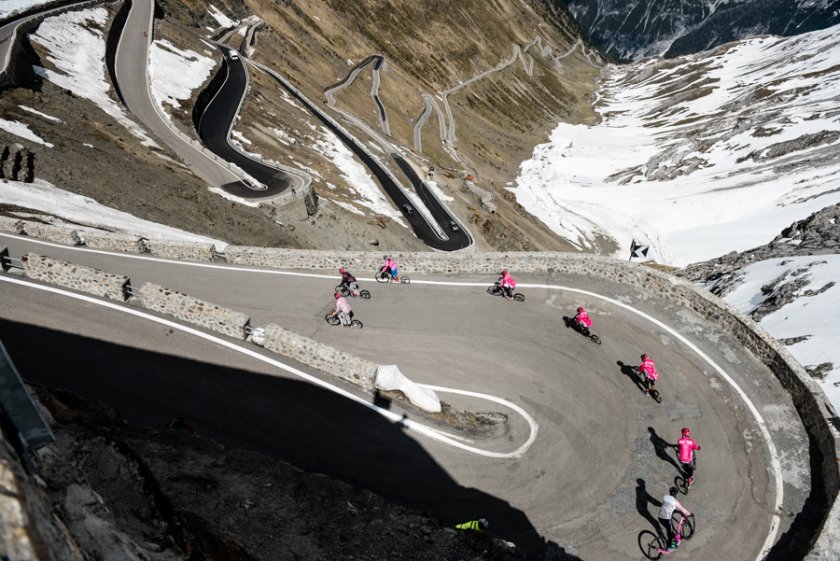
[669, 505]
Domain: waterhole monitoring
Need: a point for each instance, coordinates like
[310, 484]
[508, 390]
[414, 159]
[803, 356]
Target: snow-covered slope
[634, 29]
[807, 294]
[700, 155]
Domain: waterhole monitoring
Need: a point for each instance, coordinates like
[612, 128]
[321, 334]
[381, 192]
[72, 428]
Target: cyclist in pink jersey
[648, 371]
[686, 446]
[507, 283]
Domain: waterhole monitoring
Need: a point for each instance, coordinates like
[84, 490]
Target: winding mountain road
[598, 457]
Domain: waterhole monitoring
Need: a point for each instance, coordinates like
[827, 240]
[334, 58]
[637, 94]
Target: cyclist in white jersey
[669, 505]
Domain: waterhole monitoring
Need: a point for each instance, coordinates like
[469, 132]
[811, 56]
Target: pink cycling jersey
[341, 305]
[687, 447]
[583, 318]
[649, 368]
[508, 280]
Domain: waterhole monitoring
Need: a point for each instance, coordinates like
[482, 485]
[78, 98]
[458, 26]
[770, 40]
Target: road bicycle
[384, 276]
[346, 291]
[653, 392]
[334, 320]
[653, 546]
[570, 322]
[496, 290]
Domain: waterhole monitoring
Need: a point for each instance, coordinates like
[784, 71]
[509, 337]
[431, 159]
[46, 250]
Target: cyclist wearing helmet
[687, 446]
[342, 309]
[347, 280]
[391, 268]
[507, 284]
[669, 505]
[649, 373]
[583, 321]
[479, 525]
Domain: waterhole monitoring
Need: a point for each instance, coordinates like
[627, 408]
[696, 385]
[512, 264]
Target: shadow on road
[663, 448]
[312, 428]
[643, 499]
[632, 373]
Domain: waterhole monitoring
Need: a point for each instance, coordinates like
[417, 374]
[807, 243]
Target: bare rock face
[819, 234]
[112, 491]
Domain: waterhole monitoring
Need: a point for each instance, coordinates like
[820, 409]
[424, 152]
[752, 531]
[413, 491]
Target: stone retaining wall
[191, 251]
[57, 234]
[192, 310]
[111, 242]
[76, 277]
[319, 356]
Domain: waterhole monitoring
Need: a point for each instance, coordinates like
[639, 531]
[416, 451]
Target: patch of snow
[240, 138]
[175, 73]
[220, 17]
[815, 316]
[22, 130]
[85, 213]
[44, 115]
[348, 206]
[438, 192]
[222, 193]
[283, 137]
[356, 175]
[9, 8]
[75, 46]
[676, 161]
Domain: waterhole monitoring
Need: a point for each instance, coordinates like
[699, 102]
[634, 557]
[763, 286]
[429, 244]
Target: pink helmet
[337, 295]
[686, 431]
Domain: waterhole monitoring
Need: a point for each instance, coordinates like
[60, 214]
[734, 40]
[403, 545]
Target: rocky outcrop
[819, 234]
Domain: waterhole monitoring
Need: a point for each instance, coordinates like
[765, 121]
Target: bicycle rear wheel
[405, 280]
[356, 324]
[595, 339]
[681, 484]
[655, 395]
[650, 544]
[365, 294]
[519, 297]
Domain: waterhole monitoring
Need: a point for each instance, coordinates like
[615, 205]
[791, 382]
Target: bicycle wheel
[356, 324]
[381, 276]
[596, 339]
[343, 290]
[332, 320]
[687, 529]
[405, 280]
[655, 395]
[365, 294]
[519, 297]
[681, 484]
[650, 544]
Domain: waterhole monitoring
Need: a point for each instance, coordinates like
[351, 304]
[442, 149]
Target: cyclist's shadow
[632, 373]
[662, 447]
[643, 499]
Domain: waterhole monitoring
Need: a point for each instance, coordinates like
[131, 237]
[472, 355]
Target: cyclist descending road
[687, 446]
[649, 374]
[342, 310]
[392, 268]
[507, 283]
[669, 505]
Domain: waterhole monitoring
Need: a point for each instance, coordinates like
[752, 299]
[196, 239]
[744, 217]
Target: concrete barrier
[192, 310]
[58, 234]
[75, 277]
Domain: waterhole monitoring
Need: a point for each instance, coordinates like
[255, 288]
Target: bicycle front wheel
[332, 320]
[650, 544]
[685, 527]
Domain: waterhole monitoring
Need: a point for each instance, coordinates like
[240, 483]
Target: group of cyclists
[686, 446]
[349, 284]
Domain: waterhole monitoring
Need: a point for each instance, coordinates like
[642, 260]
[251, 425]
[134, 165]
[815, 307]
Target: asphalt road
[589, 480]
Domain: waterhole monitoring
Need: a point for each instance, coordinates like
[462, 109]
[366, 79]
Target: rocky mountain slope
[635, 29]
[508, 72]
